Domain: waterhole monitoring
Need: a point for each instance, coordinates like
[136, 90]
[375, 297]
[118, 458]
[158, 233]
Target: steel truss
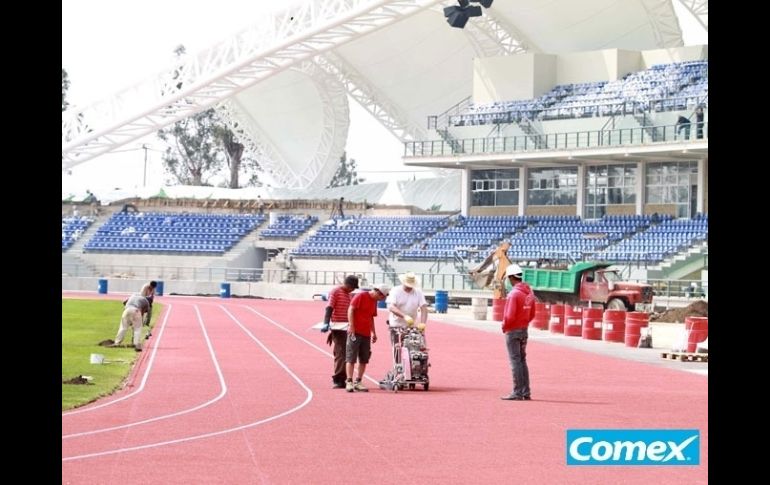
[224, 70]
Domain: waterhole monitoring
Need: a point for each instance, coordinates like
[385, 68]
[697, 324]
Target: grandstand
[560, 138]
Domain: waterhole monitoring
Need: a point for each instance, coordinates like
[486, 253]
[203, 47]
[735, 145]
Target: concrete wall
[660, 209]
[523, 76]
[545, 74]
[583, 67]
[259, 289]
[621, 209]
[678, 54]
[526, 76]
[507, 210]
[252, 257]
[551, 210]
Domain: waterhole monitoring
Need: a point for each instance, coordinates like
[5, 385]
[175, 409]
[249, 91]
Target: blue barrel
[159, 288]
[442, 301]
[103, 286]
[382, 304]
[224, 290]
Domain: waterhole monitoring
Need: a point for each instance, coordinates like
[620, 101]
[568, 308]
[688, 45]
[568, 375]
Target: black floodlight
[457, 16]
[474, 11]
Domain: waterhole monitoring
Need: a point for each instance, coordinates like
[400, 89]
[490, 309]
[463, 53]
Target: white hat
[382, 288]
[409, 279]
[513, 270]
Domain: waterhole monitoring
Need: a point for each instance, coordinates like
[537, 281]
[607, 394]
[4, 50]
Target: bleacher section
[368, 236]
[614, 238]
[72, 228]
[554, 237]
[647, 239]
[172, 232]
[288, 227]
[468, 237]
[666, 87]
[660, 241]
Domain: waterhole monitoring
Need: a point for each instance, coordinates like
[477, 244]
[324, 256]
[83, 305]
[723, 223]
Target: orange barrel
[634, 323]
[592, 323]
[556, 323]
[573, 321]
[542, 316]
[498, 308]
[697, 331]
[614, 325]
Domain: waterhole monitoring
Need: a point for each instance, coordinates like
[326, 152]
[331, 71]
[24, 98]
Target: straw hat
[409, 279]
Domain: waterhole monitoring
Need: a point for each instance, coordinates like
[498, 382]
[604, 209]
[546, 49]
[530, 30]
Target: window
[609, 185]
[495, 187]
[552, 186]
[670, 183]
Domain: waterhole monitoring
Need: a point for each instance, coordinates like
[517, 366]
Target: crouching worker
[361, 334]
[136, 307]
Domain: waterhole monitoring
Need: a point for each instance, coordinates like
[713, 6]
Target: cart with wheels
[410, 361]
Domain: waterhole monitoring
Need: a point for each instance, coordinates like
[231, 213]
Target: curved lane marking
[221, 432]
[144, 378]
[222, 392]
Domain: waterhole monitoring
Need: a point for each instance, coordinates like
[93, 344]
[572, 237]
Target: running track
[239, 391]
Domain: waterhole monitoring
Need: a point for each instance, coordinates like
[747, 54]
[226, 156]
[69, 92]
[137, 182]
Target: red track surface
[239, 391]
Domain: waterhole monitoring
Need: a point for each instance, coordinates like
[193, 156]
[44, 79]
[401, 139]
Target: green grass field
[85, 323]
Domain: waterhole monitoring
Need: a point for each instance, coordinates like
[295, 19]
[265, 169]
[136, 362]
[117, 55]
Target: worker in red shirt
[336, 319]
[361, 334]
[519, 310]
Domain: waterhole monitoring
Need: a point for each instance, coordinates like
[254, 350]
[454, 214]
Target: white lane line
[308, 398]
[299, 337]
[144, 378]
[222, 392]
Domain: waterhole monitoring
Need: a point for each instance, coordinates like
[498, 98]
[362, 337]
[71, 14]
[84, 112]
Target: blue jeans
[516, 342]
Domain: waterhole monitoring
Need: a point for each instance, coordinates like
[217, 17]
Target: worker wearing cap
[336, 315]
[361, 334]
[519, 310]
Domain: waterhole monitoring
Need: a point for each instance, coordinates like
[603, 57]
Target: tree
[193, 153]
[346, 173]
[199, 145]
[65, 85]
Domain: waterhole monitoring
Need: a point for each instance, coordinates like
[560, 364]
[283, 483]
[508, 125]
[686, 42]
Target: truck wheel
[616, 304]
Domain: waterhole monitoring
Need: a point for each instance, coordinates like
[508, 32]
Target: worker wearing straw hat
[404, 303]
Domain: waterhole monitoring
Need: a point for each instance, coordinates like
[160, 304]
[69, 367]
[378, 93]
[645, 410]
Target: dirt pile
[677, 315]
[76, 380]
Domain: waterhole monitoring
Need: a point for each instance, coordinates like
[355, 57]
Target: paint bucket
[97, 359]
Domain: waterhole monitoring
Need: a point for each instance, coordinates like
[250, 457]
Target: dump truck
[590, 282]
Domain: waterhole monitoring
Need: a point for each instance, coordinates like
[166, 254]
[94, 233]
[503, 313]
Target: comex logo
[661, 447]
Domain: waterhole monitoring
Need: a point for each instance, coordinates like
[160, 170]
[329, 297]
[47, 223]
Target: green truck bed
[563, 281]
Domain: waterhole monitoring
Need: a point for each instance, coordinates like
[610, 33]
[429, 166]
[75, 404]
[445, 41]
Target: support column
[581, 190]
[700, 203]
[640, 185]
[465, 192]
[523, 176]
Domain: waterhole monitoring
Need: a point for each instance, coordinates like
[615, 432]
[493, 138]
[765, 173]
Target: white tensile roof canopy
[285, 82]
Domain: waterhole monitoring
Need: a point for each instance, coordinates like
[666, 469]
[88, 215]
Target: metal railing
[428, 281]
[563, 111]
[556, 141]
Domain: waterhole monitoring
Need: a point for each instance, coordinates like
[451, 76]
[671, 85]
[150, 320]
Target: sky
[108, 45]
